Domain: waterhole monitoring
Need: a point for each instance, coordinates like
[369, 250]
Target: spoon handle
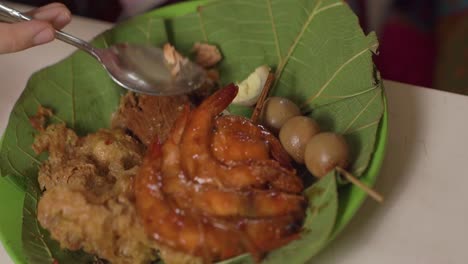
[11, 15]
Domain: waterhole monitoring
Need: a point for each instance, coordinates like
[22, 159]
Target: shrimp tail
[221, 99]
[278, 152]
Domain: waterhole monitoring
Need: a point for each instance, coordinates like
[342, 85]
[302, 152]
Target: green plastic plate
[351, 198]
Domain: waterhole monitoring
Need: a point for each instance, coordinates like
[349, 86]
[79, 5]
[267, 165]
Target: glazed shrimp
[198, 160]
[238, 139]
[198, 235]
[219, 202]
[212, 202]
[235, 140]
[165, 224]
[210, 222]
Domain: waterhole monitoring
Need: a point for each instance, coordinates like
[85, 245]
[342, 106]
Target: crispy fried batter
[88, 198]
[39, 119]
[206, 55]
[109, 228]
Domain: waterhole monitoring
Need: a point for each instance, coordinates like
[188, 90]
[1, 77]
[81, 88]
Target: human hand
[23, 35]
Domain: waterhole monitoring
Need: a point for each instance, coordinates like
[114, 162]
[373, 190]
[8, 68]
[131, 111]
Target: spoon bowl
[138, 68]
[144, 69]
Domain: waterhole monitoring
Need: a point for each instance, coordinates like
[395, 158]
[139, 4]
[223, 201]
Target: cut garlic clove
[251, 88]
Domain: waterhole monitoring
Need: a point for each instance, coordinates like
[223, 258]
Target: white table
[424, 178]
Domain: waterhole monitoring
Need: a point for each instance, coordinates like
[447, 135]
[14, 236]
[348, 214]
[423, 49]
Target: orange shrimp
[210, 238]
[210, 220]
[198, 160]
[216, 202]
[234, 135]
[238, 139]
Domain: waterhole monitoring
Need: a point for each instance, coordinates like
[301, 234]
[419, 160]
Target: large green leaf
[322, 61]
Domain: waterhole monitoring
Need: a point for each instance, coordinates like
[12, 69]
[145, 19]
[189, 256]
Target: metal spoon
[139, 68]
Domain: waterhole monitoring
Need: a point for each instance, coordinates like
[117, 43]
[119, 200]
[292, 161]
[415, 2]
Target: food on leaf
[217, 206]
[206, 55]
[329, 151]
[326, 151]
[147, 116]
[257, 111]
[251, 88]
[174, 59]
[296, 133]
[88, 198]
[38, 121]
[278, 110]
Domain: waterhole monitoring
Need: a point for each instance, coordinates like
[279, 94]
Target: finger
[49, 6]
[57, 14]
[52, 5]
[23, 35]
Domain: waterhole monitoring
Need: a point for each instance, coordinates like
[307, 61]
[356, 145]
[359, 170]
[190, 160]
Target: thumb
[23, 35]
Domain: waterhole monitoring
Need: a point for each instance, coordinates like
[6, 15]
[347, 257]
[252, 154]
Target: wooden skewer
[375, 195]
[263, 96]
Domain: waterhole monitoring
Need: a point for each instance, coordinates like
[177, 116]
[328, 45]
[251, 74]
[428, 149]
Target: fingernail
[44, 36]
[64, 17]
